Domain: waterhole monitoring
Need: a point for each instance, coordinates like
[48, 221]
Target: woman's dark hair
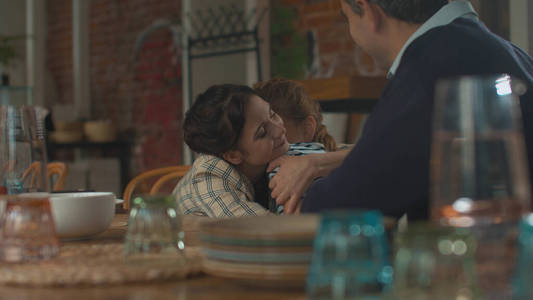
[289, 99]
[411, 11]
[214, 123]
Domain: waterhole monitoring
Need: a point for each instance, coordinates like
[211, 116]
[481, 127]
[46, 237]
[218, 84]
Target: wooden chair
[58, 172]
[165, 175]
[54, 170]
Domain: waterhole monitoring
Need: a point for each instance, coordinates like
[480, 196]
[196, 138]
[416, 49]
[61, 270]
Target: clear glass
[27, 231]
[523, 276]
[433, 262]
[478, 164]
[22, 151]
[479, 170]
[350, 257]
[154, 227]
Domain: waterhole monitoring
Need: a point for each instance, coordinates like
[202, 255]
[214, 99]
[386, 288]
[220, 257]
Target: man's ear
[234, 157]
[310, 126]
[372, 13]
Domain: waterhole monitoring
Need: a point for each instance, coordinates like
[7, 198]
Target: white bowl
[82, 215]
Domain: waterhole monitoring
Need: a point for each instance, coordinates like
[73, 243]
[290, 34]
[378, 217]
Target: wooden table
[197, 287]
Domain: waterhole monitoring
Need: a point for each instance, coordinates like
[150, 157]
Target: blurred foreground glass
[153, 227]
[350, 257]
[479, 175]
[523, 275]
[27, 230]
[22, 151]
[434, 262]
[478, 164]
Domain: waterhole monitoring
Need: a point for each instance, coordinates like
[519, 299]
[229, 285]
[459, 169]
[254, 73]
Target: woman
[236, 134]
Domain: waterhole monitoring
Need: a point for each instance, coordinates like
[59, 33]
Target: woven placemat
[100, 264]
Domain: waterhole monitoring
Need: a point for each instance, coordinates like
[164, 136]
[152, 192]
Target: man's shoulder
[463, 47]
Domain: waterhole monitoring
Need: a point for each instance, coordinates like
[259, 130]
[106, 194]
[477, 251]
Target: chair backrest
[165, 174]
[57, 169]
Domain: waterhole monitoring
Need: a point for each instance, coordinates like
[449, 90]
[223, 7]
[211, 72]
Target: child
[301, 117]
[301, 114]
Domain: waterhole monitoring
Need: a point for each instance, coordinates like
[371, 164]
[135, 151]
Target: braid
[322, 136]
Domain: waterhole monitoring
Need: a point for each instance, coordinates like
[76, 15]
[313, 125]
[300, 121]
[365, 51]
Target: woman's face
[263, 135]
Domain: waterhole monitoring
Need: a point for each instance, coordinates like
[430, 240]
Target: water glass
[433, 262]
[479, 171]
[522, 286]
[22, 151]
[154, 228]
[350, 257]
[27, 231]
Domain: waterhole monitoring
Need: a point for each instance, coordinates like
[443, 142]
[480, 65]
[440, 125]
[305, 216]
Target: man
[419, 42]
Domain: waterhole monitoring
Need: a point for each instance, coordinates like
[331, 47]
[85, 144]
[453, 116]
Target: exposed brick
[292, 2]
[321, 7]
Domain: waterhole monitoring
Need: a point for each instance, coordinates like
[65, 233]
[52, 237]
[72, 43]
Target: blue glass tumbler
[350, 257]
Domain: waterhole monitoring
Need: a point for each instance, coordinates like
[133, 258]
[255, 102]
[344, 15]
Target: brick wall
[337, 55]
[142, 96]
[59, 48]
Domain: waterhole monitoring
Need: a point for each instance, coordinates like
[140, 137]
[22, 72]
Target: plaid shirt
[215, 188]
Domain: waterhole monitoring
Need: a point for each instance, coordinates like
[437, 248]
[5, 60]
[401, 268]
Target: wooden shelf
[345, 94]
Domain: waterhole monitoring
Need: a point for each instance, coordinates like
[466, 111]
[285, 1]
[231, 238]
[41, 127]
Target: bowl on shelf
[68, 125]
[81, 215]
[100, 131]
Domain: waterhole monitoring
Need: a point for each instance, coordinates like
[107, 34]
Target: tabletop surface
[196, 287]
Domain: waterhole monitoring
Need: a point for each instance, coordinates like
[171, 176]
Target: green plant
[7, 51]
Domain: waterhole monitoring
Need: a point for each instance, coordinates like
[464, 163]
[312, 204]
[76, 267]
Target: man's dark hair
[214, 123]
[411, 11]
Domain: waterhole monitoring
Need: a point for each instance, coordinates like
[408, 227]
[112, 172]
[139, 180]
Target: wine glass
[479, 175]
[22, 151]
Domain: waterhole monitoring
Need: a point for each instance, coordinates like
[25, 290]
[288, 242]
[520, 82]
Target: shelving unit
[223, 30]
[217, 31]
[354, 94]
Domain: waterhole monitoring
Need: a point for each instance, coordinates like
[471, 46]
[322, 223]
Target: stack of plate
[267, 250]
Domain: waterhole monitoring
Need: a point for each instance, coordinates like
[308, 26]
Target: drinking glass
[153, 227]
[479, 175]
[350, 257]
[27, 231]
[434, 262]
[523, 277]
[22, 151]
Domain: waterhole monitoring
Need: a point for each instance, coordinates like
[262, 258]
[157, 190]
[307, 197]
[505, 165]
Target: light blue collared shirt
[446, 15]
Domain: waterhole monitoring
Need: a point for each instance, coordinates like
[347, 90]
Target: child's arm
[296, 174]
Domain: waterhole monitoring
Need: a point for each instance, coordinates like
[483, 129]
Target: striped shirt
[296, 149]
[215, 188]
